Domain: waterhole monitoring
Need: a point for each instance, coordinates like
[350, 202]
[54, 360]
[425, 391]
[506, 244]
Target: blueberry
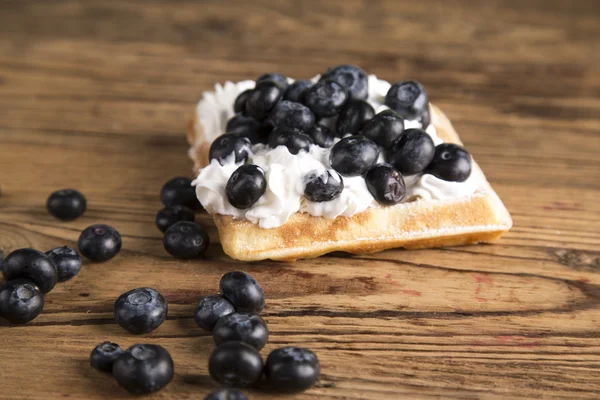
[263, 98]
[99, 242]
[425, 118]
[245, 186]
[292, 369]
[326, 98]
[179, 191]
[168, 216]
[235, 364]
[144, 368]
[66, 204]
[33, 265]
[210, 309]
[451, 162]
[243, 291]
[385, 184]
[412, 153]
[279, 79]
[293, 139]
[323, 185]
[67, 262]
[353, 155]
[104, 355]
[296, 91]
[20, 301]
[248, 328]
[226, 394]
[226, 145]
[321, 135]
[409, 99]
[185, 239]
[353, 117]
[141, 310]
[384, 128]
[352, 78]
[246, 127]
[292, 115]
[239, 105]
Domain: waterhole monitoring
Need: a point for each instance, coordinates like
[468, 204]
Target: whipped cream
[285, 172]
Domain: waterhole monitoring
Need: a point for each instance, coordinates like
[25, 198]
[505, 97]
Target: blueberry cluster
[302, 114]
[240, 333]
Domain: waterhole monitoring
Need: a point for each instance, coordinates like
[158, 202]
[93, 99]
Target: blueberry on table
[179, 191]
[412, 153]
[326, 98]
[168, 216]
[287, 114]
[292, 369]
[239, 105]
[20, 301]
[385, 184]
[226, 394]
[263, 98]
[144, 369]
[323, 185]
[245, 186]
[352, 78]
[104, 355]
[32, 265]
[321, 135]
[235, 364]
[141, 310]
[279, 79]
[409, 99]
[243, 291]
[67, 262]
[248, 328]
[296, 91]
[186, 239]
[246, 127]
[210, 309]
[291, 138]
[66, 204]
[353, 117]
[99, 242]
[353, 155]
[451, 162]
[384, 128]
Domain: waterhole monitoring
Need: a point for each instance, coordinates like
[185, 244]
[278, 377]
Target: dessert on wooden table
[342, 162]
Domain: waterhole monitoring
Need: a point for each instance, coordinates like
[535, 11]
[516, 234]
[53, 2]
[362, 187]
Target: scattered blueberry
[104, 355]
[170, 215]
[353, 117]
[235, 364]
[451, 162]
[210, 309]
[263, 98]
[296, 91]
[292, 369]
[321, 135]
[246, 127]
[353, 155]
[412, 153]
[144, 369]
[226, 145]
[409, 99]
[226, 394]
[67, 262]
[293, 139]
[245, 186]
[287, 114]
[32, 265]
[141, 310]
[352, 78]
[323, 185]
[279, 79]
[185, 239]
[248, 328]
[239, 105]
[243, 291]
[20, 301]
[179, 191]
[385, 184]
[66, 204]
[384, 128]
[326, 98]
[99, 242]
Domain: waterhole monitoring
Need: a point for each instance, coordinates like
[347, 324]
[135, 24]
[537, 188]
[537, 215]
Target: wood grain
[96, 94]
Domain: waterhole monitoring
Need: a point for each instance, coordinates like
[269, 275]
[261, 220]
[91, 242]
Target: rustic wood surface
[96, 94]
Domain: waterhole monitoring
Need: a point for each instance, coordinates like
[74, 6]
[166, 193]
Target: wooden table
[96, 94]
